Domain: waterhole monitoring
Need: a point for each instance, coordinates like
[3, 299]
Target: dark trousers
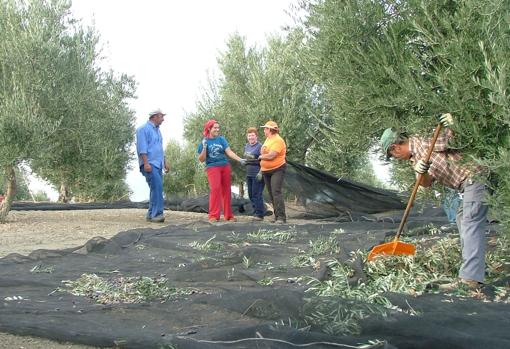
[255, 190]
[274, 184]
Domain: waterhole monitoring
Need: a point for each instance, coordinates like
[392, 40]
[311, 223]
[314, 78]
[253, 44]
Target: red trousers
[219, 192]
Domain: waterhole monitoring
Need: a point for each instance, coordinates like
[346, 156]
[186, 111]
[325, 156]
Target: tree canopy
[59, 110]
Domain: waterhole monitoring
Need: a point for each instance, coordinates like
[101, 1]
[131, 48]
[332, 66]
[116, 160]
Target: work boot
[158, 219]
[461, 283]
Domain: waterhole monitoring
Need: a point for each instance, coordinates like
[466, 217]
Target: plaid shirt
[445, 167]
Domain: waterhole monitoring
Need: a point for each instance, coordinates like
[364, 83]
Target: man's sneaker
[471, 285]
[280, 221]
[231, 219]
[158, 219]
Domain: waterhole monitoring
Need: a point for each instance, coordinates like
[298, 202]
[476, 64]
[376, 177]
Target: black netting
[311, 194]
[322, 195]
[242, 290]
[198, 204]
[241, 285]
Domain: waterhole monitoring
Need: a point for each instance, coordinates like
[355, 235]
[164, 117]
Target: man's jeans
[472, 223]
[155, 181]
[255, 190]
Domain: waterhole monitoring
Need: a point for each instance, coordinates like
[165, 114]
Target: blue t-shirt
[215, 155]
[252, 151]
[150, 142]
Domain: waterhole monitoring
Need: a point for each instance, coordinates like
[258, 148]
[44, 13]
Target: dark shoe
[158, 219]
[147, 218]
[471, 285]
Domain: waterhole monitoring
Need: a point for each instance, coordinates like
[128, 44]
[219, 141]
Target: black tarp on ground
[198, 204]
[317, 194]
[230, 307]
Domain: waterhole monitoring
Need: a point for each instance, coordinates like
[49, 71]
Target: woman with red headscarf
[214, 150]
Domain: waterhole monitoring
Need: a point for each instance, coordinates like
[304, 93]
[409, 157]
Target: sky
[170, 48]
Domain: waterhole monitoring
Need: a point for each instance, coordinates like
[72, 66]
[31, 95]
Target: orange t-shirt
[277, 144]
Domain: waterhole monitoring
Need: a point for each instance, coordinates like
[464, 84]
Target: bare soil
[26, 231]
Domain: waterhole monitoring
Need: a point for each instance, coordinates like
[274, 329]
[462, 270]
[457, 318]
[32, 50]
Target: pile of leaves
[121, 289]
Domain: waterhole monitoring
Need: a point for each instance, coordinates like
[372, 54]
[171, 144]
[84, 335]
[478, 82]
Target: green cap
[389, 137]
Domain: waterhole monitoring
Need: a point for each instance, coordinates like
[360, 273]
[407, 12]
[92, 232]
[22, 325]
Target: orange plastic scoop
[393, 248]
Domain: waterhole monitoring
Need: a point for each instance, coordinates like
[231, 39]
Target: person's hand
[446, 120]
[422, 167]
[167, 168]
[147, 167]
[258, 177]
[204, 143]
[242, 162]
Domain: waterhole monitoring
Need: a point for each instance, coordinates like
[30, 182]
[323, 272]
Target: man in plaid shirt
[444, 167]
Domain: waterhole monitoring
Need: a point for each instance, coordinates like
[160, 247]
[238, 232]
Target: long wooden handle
[417, 184]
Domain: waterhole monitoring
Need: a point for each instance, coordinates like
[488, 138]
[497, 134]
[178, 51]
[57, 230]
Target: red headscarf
[207, 127]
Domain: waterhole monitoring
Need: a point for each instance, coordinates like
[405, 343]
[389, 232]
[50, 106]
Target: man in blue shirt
[151, 159]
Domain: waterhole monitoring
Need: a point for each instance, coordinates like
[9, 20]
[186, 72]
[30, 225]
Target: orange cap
[271, 124]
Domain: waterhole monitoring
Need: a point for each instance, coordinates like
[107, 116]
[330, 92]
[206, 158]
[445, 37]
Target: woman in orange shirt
[272, 166]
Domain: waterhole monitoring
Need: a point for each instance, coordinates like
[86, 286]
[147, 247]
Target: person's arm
[442, 140]
[421, 168]
[269, 156]
[202, 155]
[167, 166]
[233, 155]
[426, 180]
[146, 166]
[275, 149]
[141, 149]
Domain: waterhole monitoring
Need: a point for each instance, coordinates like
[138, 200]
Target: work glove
[258, 177]
[422, 167]
[242, 162]
[249, 156]
[446, 120]
[204, 143]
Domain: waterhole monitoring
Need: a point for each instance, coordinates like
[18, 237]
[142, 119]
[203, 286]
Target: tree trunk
[63, 194]
[5, 205]
[241, 189]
